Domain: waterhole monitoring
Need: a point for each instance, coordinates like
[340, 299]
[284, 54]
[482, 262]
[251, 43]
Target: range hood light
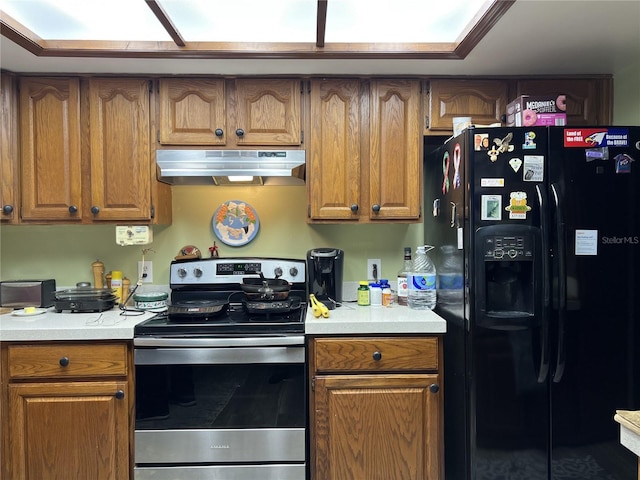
[233, 180]
[201, 167]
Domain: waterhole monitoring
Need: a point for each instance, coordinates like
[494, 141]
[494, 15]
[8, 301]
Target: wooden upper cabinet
[50, 149]
[192, 111]
[588, 99]
[120, 145]
[230, 113]
[333, 154]
[395, 150]
[9, 175]
[365, 154]
[485, 101]
[267, 111]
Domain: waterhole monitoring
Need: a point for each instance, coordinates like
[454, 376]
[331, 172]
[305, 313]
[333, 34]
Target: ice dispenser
[508, 263]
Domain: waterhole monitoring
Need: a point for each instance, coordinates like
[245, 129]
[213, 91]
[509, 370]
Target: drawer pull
[377, 356]
[434, 388]
[64, 361]
[119, 394]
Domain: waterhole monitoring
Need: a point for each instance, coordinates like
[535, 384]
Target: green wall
[626, 100]
[66, 252]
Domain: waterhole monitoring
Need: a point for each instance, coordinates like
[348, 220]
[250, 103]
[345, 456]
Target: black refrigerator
[543, 334]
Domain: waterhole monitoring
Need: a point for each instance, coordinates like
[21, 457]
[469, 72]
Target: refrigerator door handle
[544, 303]
[558, 371]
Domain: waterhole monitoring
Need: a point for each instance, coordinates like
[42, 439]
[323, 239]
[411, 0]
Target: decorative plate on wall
[235, 223]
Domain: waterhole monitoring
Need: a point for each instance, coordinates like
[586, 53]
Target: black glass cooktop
[235, 319]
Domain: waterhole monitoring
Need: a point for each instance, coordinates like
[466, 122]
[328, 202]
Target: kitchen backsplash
[65, 252]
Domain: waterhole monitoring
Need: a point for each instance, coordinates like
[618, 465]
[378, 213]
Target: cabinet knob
[434, 388]
[240, 132]
[375, 208]
[377, 356]
[503, 118]
[219, 132]
[119, 394]
[64, 361]
[95, 210]
[354, 208]
[73, 209]
[7, 209]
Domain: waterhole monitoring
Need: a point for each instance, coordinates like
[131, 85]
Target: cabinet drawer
[65, 360]
[376, 354]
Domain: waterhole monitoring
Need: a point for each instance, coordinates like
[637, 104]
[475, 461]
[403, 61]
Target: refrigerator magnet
[529, 141]
[445, 173]
[501, 145]
[481, 141]
[515, 164]
[533, 170]
[623, 163]
[491, 207]
[518, 207]
[456, 166]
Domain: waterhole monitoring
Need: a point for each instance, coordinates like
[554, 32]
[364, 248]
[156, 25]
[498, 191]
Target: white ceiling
[534, 37]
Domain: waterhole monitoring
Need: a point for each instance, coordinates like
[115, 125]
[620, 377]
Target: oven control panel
[217, 271]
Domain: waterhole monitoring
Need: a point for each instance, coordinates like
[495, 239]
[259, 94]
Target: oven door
[232, 408]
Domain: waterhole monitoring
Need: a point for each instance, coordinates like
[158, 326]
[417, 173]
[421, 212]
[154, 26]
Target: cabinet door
[192, 111]
[377, 427]
[395, 161]
[267, 112]
[588, 100]
[9, 178]
[69, 430]
[485, 101]
[50, 149]
[120, 149]
[333, 163]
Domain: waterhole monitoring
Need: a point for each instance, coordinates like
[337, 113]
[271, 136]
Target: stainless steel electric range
[220, 377]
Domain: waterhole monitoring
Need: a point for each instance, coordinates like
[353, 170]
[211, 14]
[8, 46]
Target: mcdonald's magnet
[518, 207]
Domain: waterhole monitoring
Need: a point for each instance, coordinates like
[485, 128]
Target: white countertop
[629, 429]
[111, 325]
[107, 325]
[353, 319]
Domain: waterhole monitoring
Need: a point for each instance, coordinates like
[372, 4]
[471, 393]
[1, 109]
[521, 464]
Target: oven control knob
[182, 272]
[293, 271]
[197, 272]
[278, 272]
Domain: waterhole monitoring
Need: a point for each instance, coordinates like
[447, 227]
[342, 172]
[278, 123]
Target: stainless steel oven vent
[200, 166]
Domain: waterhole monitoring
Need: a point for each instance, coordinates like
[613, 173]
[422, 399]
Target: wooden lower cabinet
[68, 411]
[376, 408]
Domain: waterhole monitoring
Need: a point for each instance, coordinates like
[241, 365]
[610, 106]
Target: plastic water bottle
[422, 284]
[450, 276]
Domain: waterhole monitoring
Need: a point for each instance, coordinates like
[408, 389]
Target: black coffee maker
[324, 272]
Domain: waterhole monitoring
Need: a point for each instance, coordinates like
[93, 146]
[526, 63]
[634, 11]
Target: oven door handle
[218, 355]
[180, 342]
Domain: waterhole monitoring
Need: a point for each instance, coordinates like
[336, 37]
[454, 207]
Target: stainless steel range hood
[200, 167]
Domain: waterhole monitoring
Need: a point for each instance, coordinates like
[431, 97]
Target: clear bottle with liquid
[422, 281]
[403, 274]
[450, 276]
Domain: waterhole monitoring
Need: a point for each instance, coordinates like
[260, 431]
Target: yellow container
[116, 284]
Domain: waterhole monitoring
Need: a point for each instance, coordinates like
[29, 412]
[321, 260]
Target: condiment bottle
[98, 272]
[116, 284]
[363, 294]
